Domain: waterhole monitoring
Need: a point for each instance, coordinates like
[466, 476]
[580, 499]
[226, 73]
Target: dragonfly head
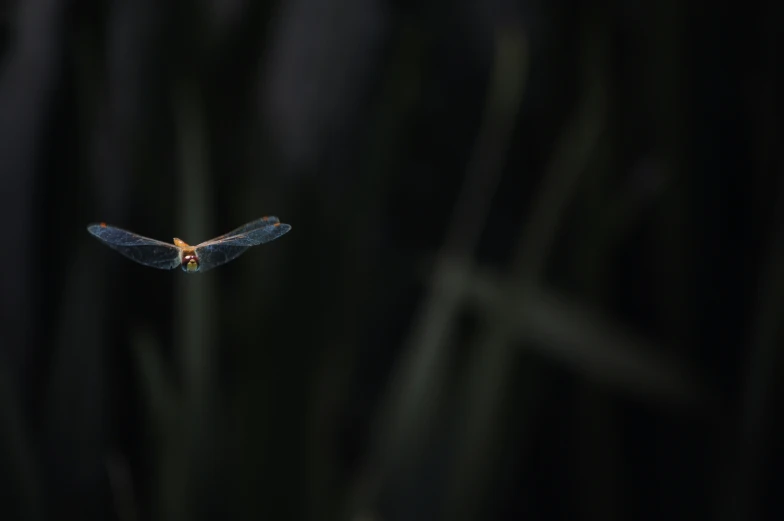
[190, 263]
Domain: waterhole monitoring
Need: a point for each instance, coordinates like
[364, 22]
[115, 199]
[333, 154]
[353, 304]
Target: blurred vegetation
[535, 269]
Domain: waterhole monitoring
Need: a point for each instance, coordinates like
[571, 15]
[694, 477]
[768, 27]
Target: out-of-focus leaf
[586, 341]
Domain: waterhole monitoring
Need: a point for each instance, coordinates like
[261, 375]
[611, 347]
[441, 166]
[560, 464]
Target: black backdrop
[536, 269]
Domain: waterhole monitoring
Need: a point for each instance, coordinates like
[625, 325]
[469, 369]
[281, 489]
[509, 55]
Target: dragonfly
[192, 259]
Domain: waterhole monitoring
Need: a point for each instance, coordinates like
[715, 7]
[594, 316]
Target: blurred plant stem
[604, 220]
[184, 419]
[78, 392]
[759, 379]
[585, 341]
[193, 305]
[494, 353]
[758, 402]
[415, 391]
[397, 100]
[195, 300]
[674, 236]
[121, 485]
[22, 492]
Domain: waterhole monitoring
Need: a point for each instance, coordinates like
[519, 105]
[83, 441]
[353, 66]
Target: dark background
[536, 269]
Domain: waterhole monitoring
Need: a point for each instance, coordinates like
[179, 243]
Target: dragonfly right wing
[214, 254]
[229, 246]
[262, 222]
[149, 252]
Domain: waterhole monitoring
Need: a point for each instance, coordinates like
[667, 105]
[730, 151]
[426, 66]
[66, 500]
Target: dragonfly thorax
[190, 262]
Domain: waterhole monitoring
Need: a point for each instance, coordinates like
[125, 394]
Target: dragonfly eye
[190, 263]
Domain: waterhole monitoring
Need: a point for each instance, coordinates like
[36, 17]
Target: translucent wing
[262, 222]
[212, 255]
[268, 233]
[148, 252]
[228, 247]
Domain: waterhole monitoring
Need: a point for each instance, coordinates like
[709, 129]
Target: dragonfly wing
[149, 252]
[268, 233]
[227, 248]
[262, 222]
[249, 238]
[214, 254]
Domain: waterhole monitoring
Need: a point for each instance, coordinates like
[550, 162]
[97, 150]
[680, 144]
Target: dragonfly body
[192, 259]
[188, 258]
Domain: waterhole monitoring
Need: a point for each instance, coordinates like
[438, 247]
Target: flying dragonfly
[192, 259]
